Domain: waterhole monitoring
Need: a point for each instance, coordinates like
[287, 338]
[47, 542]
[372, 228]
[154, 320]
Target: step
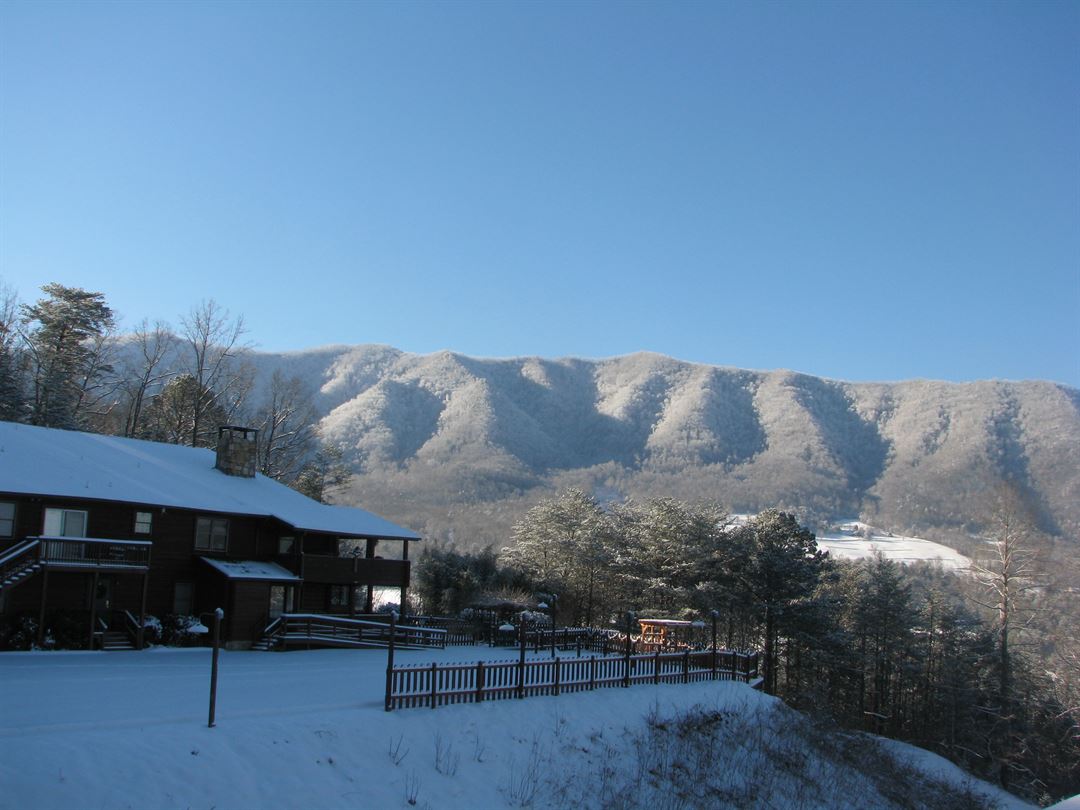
[116, 641]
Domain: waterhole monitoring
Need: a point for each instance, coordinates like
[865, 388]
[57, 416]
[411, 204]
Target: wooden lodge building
[116, 529]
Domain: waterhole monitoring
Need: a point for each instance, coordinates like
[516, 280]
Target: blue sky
[857, 190]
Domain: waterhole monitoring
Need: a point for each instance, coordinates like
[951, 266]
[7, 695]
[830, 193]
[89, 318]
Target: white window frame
[144, 522]
[59, 513]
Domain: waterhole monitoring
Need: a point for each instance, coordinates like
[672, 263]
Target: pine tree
[564, 544]
[783, 566]
[67, 338]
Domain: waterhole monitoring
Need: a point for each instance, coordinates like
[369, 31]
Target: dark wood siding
[250, 603]
[174, 559]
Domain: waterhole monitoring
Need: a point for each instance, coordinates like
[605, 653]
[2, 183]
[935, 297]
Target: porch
[100, 560]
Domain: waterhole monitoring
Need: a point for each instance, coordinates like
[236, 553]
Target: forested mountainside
[458, 446]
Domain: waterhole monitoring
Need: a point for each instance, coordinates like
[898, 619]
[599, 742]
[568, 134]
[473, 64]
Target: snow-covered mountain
[431, 434]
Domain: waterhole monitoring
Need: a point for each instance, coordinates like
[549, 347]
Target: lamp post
[631, 617]
[218, 615]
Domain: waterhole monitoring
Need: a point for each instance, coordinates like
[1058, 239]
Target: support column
[41, 613]
[139, 636]
[300, 587]
[369, 554]
[405, 582]
[93, 607]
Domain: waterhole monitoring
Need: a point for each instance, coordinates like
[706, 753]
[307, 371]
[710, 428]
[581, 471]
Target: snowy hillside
[430, 434]
[854, 540]
[307, 729]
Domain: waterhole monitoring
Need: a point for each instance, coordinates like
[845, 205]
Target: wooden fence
[434, 685]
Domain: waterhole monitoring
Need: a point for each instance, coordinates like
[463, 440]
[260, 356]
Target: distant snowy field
[848, 542]
[307, 729]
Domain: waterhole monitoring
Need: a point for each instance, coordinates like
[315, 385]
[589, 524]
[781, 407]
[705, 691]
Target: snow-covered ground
[307, 729]
[848, 541]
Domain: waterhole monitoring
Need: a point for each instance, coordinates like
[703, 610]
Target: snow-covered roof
[252, 569]
[69, 464]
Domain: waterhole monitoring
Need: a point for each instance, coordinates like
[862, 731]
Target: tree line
[64, 363]
[913, 652]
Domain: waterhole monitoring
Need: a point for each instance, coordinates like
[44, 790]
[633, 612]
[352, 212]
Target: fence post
[557, 673]
[521, 664]
[686, 666]
[629, 643]
[592, 672]
[434, 684]
[714, 615]
[479, 681]
[656, 666]
[390, 664]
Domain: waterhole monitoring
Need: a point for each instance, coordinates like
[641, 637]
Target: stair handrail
[270, 631]
[16, 551]
[131, 625]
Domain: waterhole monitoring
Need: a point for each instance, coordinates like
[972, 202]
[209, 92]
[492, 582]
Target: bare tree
[214, 361]
[1008, 577]
[97, 381]
[145, 370]
[12, 394]
[287, 432]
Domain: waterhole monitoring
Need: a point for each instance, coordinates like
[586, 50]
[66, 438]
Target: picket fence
[436, 685]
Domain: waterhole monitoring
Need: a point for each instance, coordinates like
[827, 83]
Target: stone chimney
[237, 450]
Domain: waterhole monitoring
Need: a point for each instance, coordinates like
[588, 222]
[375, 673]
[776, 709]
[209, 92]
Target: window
[211, 534]
[339, 596]
[7, 519]
[143, 522]
[182, 598]
[285, 545]
[64, 523]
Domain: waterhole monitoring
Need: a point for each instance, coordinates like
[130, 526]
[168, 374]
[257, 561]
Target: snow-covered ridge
[905, 454]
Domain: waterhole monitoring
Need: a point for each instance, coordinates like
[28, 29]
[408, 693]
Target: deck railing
[93, 551]
[313, 630]
[434, 685]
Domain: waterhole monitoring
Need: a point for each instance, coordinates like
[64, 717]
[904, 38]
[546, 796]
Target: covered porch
[107, 567]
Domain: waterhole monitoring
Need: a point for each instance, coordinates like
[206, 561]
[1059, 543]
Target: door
[103, 596]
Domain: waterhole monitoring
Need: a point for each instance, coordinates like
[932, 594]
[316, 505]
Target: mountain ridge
[432, 437]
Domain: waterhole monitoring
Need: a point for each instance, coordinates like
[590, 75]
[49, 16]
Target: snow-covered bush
[152, 630]
[18, 632]
[179, 630]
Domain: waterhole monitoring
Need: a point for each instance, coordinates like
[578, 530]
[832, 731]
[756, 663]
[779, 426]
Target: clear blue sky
[857, 190]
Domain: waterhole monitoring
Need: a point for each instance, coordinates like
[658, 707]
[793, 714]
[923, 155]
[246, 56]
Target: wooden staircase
[112, 640]
[20, 563]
